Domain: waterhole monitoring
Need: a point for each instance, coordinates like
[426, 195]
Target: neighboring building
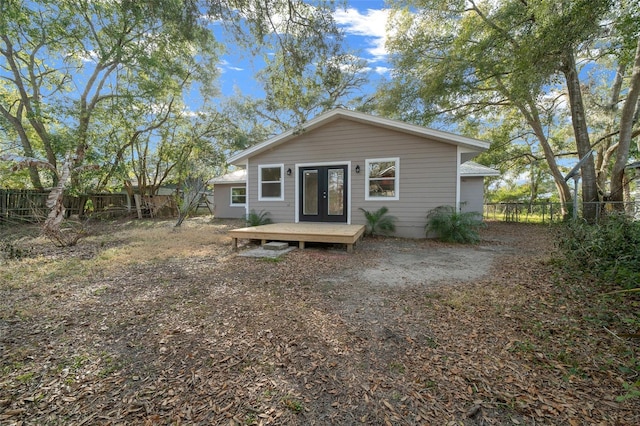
[342, 161]
[230, 195]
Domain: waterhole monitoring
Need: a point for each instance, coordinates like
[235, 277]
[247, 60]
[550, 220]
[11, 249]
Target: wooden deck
[302, 233]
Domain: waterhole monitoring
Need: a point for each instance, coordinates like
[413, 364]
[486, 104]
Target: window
[238, 196]
[382, 179]
[270, 182]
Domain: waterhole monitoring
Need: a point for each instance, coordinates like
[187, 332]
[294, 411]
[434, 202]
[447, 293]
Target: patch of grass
[271, 259]
[430, 342]
[100, 291]
[147, 244]
[459, 301]
[15, 366]
[396, 396]
[78, 361]
[396, 367]
[573, 372]
[632, 391]
[525, 347]
[250, 419]
[26, 377]
[111, 365]
[429, 384]
[292, 403]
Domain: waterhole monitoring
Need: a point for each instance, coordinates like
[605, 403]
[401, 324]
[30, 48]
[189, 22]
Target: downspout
[458, 162]
[246, 189]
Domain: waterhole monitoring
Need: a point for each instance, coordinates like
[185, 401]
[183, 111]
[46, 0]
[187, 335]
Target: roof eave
[233, 182]
[479, 174]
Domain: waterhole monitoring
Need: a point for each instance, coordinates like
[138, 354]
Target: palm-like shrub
[257, 219]
[453, 226]
[379, 222]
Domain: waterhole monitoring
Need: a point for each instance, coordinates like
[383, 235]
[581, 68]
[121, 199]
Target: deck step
[275, 245]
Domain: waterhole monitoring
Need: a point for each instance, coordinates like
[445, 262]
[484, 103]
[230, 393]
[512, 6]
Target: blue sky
[363, 22]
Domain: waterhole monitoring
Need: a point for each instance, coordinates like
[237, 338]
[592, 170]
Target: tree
[68, 62]
[69, 65]
[328, 82]
[177, 148]
[190, 195]
[461, 59]
[306, 69]
[628, 117]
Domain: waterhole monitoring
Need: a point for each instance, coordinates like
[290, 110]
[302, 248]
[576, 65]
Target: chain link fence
[548, 212]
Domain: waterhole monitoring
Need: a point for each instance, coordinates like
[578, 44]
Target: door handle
[324, 194]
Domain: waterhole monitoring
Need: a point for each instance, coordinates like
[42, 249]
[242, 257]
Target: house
[230, 195]
[343, 160]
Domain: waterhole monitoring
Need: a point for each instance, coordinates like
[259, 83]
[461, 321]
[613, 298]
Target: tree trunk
[626, 127]
[564, 191]
[581, 133]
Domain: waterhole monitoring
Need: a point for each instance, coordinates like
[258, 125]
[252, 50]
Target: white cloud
[371, 24]
[383, 70]
[86, 56]
[224, 65]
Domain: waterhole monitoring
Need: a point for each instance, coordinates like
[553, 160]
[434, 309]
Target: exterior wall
[472, 194]
[427, 171]
[222, 207]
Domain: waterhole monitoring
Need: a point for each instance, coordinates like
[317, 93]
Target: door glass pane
[310, 192]
[336, 192]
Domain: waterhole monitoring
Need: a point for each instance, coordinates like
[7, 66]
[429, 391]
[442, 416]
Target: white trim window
[382, 179]
[271, 182]
[238, 196]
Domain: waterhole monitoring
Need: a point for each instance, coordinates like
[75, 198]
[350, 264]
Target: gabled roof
[238, 176]
[471, 169]
[438, 135]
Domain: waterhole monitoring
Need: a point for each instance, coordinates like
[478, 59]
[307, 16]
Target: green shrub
[608, 250]
[379, 222]
[453, 226]
[257, 219]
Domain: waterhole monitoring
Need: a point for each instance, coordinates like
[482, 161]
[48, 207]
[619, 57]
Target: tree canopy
[488, 65]
[105, 82]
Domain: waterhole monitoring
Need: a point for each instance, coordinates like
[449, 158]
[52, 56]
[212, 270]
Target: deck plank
[301, 232]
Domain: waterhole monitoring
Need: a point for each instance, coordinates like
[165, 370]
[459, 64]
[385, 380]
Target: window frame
[231, 203]
[281, 182]
[396, 178]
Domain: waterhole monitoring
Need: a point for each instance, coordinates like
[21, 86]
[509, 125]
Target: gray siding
[472, 194]
[427, 171]
[222, 208]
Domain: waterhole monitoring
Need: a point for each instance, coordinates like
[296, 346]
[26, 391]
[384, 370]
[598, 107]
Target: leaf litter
[160, 334]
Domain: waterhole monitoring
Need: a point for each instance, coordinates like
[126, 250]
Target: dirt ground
[144, 324]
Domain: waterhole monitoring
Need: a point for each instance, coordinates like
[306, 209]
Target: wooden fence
[28, 205]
